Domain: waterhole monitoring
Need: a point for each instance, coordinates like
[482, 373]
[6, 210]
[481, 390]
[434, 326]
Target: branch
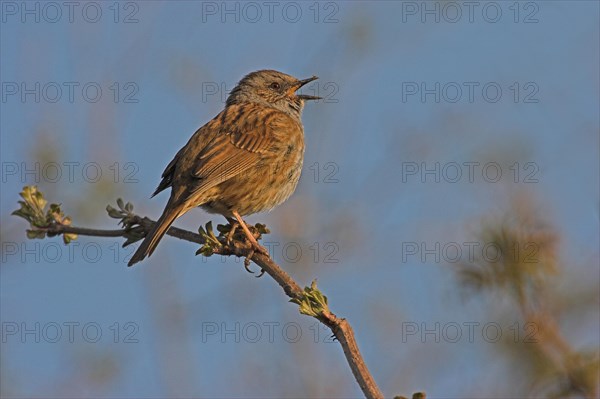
[145, 223]
[312, 302]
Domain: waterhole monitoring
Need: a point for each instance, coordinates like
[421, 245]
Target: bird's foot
[255, 247]
[260, 229]
[247, 264]
[231, 232]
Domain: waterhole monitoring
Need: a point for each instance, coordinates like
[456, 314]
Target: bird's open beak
[302, 83]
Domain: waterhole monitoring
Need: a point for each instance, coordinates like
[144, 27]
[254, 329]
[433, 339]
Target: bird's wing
[225, 146]
[248, 133]
[231, 143]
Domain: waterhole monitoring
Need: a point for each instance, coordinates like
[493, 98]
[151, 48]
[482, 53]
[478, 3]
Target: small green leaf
[67, 238]
[313, 302]
[205, 250]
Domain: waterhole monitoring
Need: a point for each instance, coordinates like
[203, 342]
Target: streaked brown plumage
[247, 159]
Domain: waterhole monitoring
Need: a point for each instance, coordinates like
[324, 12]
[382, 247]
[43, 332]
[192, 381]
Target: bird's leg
[255, 245]
[234, 226]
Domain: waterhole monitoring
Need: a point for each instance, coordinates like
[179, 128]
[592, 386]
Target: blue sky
[355, 198]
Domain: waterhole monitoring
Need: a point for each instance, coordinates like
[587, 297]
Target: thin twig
[145, 222]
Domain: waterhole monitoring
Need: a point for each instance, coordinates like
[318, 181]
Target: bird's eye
[275, 86]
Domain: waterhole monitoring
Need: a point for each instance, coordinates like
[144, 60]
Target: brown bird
[246, 160]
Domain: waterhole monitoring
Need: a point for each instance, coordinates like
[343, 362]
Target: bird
[247, 159]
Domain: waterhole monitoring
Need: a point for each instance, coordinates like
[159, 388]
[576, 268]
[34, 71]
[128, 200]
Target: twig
[146, 223]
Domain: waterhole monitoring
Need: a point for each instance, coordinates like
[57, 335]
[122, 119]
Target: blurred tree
[524, 270]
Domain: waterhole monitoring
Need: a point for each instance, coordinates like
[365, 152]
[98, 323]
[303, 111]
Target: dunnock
[246, 160]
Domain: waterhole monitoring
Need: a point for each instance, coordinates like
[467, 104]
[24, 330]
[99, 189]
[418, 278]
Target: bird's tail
[160, 228]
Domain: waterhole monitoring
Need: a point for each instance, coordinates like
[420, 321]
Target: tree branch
[312, 302]
[340, 327]
[146, 223]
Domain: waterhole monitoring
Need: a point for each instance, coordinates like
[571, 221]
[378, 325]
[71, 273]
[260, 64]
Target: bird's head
[272, 88]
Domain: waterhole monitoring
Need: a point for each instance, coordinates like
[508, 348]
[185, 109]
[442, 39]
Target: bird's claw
[247, 261]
